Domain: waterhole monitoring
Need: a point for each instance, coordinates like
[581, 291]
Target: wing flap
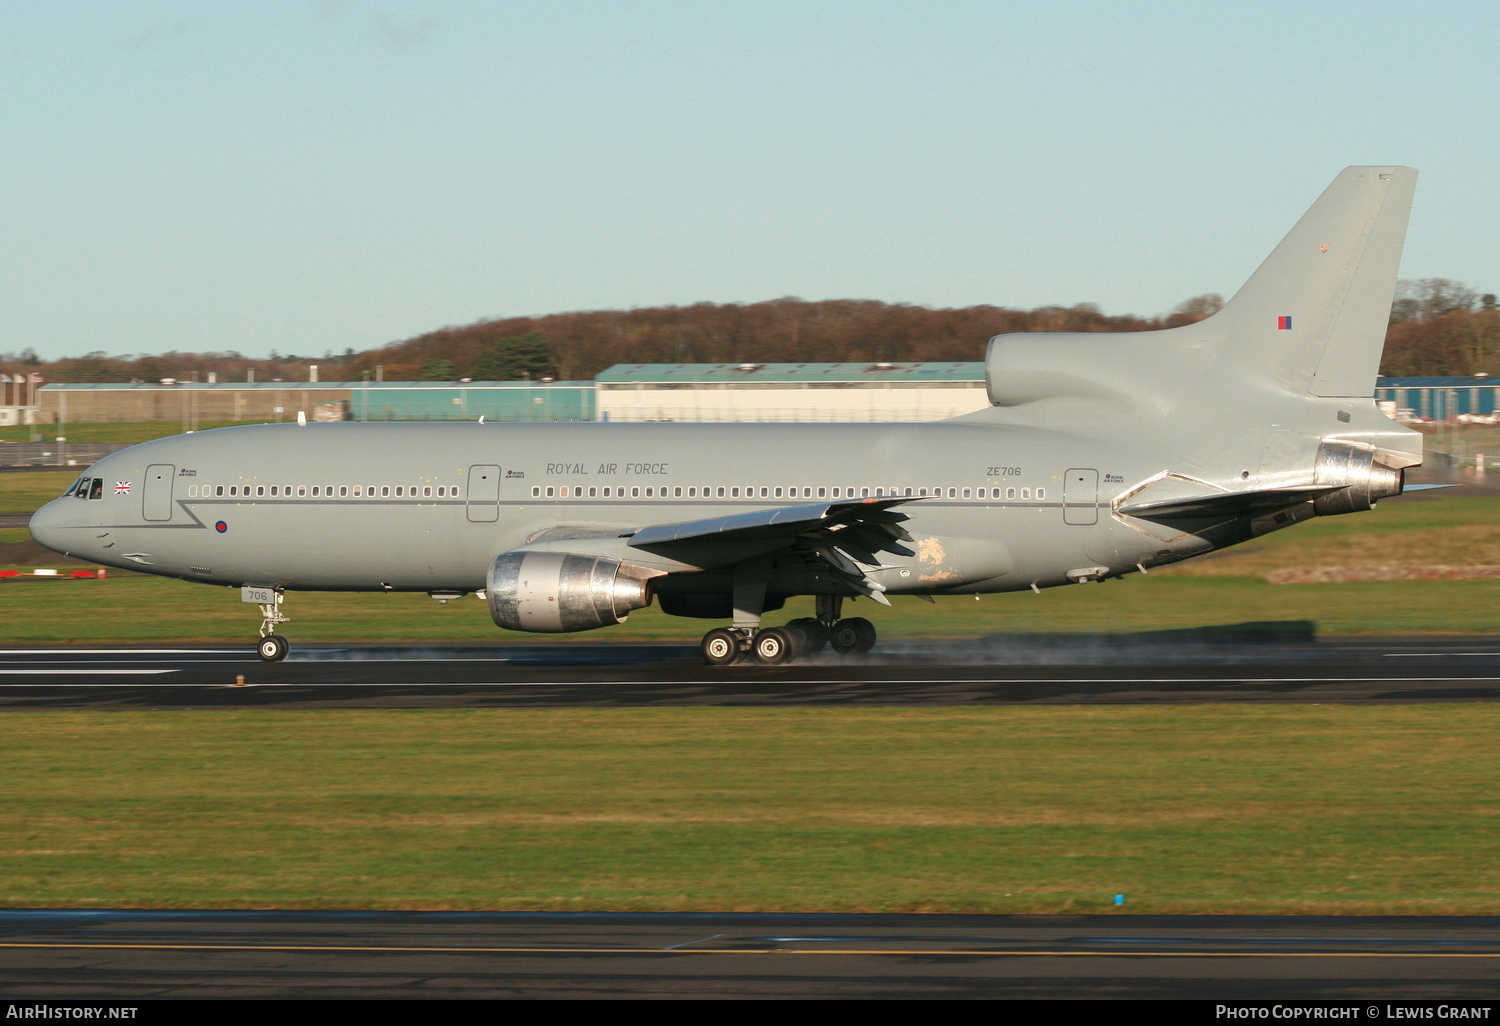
[780, 522]
[861, 528]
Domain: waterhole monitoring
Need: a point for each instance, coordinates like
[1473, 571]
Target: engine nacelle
[1364, 477]
[560, 592]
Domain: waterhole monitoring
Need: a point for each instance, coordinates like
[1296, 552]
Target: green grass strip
[1204, 809]
[134, 608]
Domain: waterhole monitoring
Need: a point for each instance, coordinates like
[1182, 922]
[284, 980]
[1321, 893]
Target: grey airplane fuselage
[407, 507]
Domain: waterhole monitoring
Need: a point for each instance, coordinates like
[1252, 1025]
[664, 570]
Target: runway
[999, 670]
[142, 955]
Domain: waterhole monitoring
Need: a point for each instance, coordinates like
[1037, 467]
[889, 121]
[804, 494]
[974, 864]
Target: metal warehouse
[790, 391]
[1441, 398]
[192, 403]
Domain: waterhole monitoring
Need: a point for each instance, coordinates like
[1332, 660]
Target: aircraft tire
[720, 647]
[853, 635]
[775, 645]
[812, 636]
[273, 648]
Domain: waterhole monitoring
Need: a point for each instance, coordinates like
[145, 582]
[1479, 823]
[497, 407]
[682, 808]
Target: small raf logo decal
[122, 487]
[221, 527]
[1284, 323]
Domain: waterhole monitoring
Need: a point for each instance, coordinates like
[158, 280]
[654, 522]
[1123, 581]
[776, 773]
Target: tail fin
[1309, 323]
[1285, 369]
[1313, 316]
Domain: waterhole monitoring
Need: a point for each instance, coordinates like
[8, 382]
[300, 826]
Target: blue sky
[311, 175]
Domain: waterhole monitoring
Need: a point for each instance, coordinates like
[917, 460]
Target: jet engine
[561, 592]
[1361, 473]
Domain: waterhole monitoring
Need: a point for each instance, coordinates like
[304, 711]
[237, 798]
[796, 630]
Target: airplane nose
[49, 526]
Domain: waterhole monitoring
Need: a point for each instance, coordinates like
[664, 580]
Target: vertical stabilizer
[1313, 316]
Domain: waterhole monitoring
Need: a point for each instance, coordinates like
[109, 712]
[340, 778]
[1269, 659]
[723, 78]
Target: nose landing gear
[272, 647]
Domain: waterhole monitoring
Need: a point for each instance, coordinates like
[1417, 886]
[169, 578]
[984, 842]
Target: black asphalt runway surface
[123, 955]
[999, 670]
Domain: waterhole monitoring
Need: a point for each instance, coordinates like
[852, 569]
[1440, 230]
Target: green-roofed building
[270, 401]
[624, 392]
[789, 391]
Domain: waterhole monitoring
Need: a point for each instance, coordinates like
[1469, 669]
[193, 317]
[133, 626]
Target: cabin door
[1081, 497]
[483, 504]
[156, 496]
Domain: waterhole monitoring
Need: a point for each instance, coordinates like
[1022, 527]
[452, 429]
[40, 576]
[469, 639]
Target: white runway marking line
[793, 683]
[116, 651]
[77, 672]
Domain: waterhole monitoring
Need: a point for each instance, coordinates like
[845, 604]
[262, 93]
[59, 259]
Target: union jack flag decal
[122, 487]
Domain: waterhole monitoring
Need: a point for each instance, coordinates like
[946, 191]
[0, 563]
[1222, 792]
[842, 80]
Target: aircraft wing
[842, 534]
[1228, 504]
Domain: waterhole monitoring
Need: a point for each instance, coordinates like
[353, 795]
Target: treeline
[580, 345]
[227, 366]
[1438, 327]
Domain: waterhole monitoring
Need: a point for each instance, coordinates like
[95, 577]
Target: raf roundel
[221, 527]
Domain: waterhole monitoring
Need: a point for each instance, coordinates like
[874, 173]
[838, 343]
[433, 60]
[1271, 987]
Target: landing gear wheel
[273, 648]
[852, 636]
[720, 647]
[775, 645]
[812, 636]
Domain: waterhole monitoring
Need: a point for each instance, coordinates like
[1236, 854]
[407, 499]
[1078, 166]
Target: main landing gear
[805, 635]
[776, 645]
[273, 647]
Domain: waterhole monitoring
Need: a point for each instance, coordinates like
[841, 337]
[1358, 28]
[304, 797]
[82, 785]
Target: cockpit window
[86, 488]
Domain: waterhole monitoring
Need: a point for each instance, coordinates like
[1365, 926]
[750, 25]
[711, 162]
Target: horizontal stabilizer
[1228, 504]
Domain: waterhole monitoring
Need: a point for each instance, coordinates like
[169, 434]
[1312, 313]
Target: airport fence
[54, 454]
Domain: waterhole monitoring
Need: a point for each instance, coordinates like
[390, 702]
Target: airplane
[1101, 455]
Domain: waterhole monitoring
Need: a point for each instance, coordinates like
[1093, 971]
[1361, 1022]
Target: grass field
[26, 491]
[107, 434]
[1239, 809]
[130, 608]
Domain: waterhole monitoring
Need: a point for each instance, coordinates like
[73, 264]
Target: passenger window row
[769, 492]
[324, 491]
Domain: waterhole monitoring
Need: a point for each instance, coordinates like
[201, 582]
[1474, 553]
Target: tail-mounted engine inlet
[1359, 471]
[561, 592]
